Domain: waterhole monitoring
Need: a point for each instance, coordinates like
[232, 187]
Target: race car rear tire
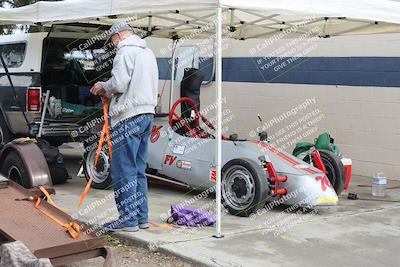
[244, 187]
[14, 169]
[335, 169]
[102, 177]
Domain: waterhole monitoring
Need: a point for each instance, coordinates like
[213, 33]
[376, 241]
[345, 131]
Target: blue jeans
[128, 164]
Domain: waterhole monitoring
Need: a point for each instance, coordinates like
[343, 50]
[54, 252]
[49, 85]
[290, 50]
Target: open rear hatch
[73, 60]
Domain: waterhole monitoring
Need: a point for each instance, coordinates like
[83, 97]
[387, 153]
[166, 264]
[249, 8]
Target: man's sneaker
[144, 226]
[117, 226]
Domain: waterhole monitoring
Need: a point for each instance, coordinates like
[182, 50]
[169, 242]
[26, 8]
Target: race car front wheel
[334, 168]
[244, 187]
[101, 173]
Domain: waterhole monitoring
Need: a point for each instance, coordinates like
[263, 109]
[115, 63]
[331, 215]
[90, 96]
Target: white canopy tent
[202, 18]
[252, 18]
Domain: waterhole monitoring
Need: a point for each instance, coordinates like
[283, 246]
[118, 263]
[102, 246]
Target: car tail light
[33, 102]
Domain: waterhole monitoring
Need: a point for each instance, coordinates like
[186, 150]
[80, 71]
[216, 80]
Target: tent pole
[218, 153]
[172, 85]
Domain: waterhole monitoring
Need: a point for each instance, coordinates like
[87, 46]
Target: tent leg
[172, 85]
[218, 82]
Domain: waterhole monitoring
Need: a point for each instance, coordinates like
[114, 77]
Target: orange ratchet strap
[72, 227]
[105, 134]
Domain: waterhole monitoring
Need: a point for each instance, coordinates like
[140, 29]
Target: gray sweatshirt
[134, 81]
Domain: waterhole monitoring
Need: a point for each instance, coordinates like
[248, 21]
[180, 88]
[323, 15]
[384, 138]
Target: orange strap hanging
[72, 227]
[105, 134]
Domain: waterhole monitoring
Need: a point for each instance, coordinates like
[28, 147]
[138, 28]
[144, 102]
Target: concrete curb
[135, 241]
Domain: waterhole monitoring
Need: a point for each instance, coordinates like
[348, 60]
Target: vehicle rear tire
[244, 187]
[14, 169]
[102, 177]
[5, 134]
[335, 169]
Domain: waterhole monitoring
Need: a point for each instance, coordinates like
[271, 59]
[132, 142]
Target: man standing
[133, 93]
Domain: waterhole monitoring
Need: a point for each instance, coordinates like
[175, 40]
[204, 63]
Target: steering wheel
[196, 132]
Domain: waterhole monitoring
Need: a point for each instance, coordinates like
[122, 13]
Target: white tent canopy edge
[260, 17]
[372, 10]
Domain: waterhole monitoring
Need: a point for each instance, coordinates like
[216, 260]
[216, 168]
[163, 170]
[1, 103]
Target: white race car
[253, 172]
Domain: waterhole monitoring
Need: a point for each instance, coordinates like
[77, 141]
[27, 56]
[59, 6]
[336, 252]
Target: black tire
[151, 171]
[56, 143]
[59, 175]
[100, 181]
[55, 161]
[5, 134]
[335, 169]
[254, 173]
[14, 169]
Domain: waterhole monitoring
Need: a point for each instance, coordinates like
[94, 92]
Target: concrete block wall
[366, 129]
[356, 85]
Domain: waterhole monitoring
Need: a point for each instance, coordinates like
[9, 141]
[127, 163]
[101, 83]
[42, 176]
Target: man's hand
[98, 89]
